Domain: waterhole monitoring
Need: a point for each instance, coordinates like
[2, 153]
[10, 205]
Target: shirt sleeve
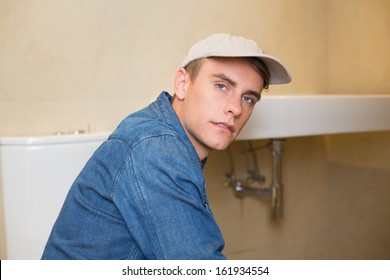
[162, 198]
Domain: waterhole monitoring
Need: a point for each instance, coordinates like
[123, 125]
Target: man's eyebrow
[233, 83]
[225, 78]
[254, 93]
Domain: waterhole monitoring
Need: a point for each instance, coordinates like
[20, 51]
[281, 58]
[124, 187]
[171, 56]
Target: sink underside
[305, 115]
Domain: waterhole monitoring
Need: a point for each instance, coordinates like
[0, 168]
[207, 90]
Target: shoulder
[156, 120]
[142, 125]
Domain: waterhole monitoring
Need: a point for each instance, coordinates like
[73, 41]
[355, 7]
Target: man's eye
[221, 86]
[249, 99]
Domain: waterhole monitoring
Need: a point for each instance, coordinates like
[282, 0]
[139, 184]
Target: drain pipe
[274, 193]
[276, 186]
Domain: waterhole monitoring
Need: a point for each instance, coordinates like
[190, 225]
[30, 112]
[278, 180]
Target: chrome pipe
[276, 185]
[273, 193]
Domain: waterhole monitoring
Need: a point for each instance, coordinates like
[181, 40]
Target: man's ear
[181, 79]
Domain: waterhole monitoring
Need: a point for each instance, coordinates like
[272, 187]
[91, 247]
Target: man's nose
[233, 106]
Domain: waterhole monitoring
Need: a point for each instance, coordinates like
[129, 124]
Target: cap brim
[278, 72]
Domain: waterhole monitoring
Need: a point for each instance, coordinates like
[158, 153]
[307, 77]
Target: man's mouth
[226, 126]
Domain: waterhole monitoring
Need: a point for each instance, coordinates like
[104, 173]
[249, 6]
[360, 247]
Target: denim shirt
[140, 196]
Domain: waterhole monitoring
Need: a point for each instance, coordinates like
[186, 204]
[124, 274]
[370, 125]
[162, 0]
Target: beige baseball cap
[226, 45]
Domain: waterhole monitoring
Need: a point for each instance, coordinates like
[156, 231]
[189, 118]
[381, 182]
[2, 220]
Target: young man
[142, 194]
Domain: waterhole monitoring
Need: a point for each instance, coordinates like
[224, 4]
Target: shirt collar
[163, 107]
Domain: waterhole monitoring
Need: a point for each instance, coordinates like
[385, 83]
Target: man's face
[214, 107]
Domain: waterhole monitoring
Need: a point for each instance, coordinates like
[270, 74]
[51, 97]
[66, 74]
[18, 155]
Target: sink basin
[306, 115]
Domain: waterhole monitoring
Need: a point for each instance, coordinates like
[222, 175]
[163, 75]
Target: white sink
[305, 115]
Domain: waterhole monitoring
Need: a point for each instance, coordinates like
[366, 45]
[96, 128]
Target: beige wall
[81, 64]
[74, 64]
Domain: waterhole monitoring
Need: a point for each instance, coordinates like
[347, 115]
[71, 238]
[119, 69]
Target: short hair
[258, 65]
